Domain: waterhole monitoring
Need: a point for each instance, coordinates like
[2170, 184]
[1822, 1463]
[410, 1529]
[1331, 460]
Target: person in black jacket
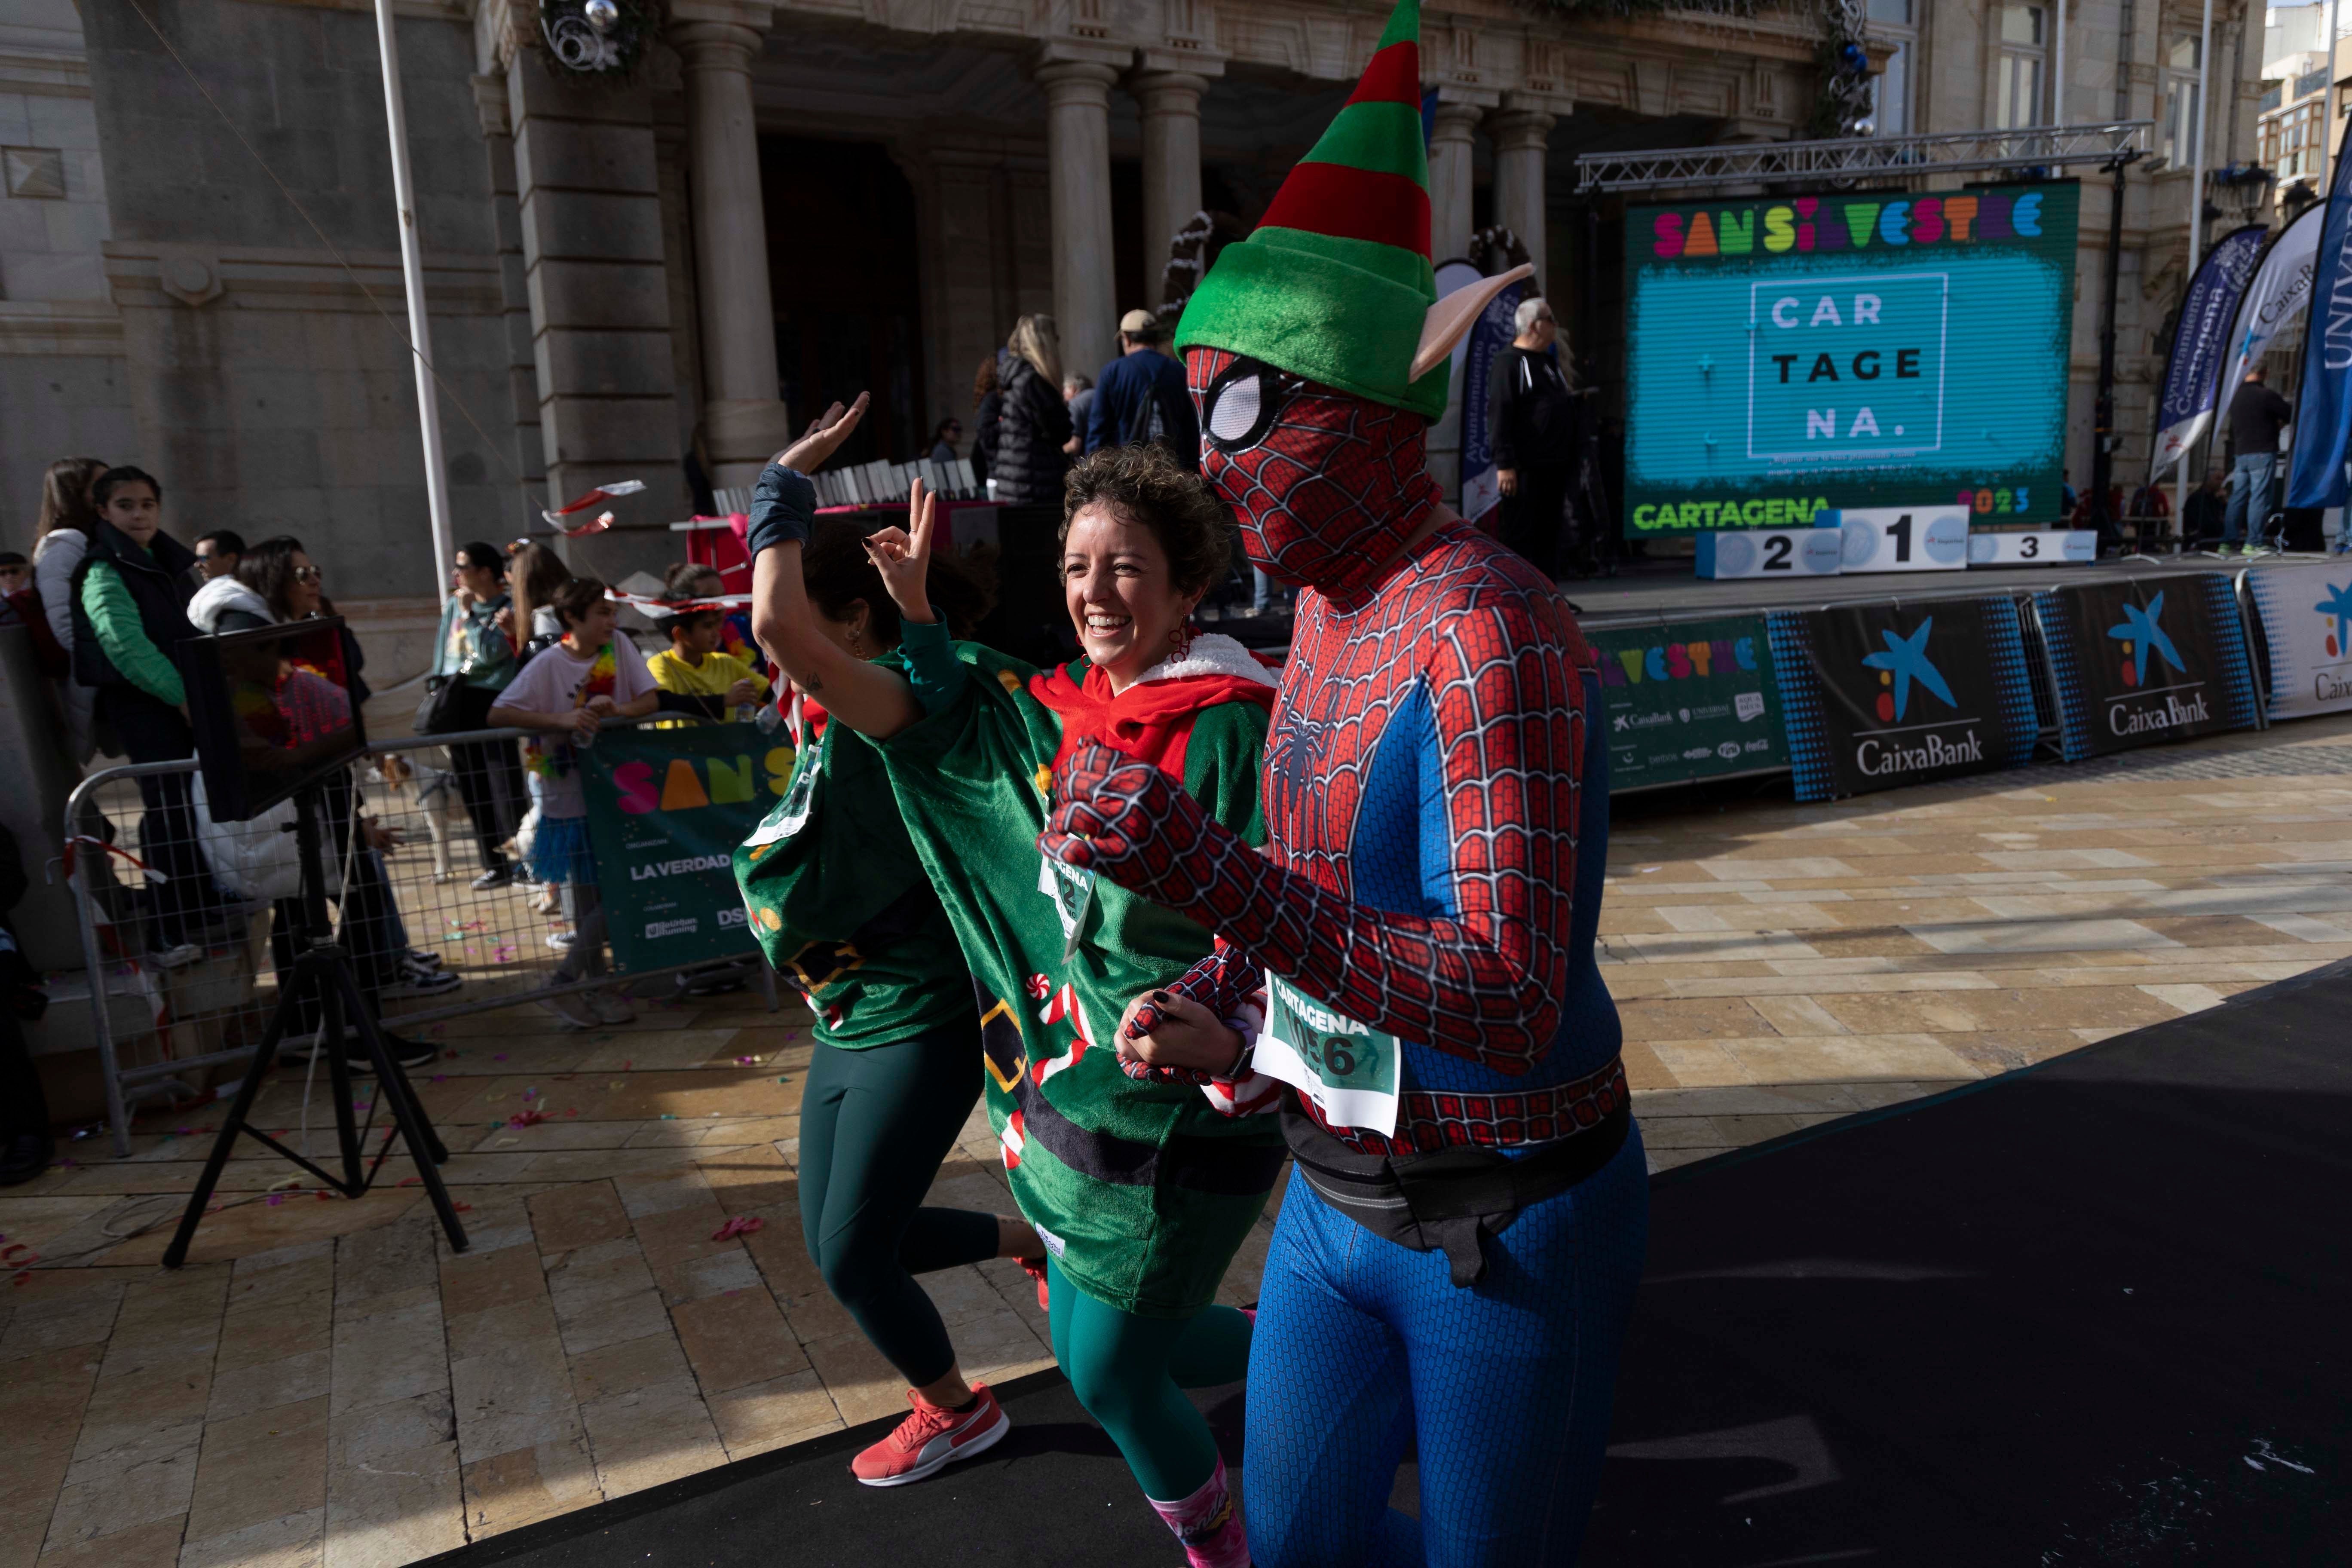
[987, 412]
[1535, 420]
[131, 599]
[1029, 462]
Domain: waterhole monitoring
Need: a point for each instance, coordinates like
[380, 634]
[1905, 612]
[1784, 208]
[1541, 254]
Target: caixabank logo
[2140, 709]
[1931, 741]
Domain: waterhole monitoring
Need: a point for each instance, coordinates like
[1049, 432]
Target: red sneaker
[931, 1439]
[1035, 1269]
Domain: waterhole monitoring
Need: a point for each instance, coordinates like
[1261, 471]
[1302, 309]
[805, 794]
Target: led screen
[1792, 353]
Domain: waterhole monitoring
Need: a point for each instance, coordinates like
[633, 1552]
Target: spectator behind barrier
[217, 554]
[130, 598]
[565, 692]
[67, 519]
[477, 648]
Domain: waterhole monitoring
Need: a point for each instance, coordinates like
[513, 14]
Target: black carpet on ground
[2090, 1314]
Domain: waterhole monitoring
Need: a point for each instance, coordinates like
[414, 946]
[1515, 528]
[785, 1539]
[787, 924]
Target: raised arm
[1510, 712]
[868, 697]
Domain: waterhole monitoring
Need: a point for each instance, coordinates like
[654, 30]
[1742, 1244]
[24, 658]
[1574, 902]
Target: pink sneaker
[930, 1439]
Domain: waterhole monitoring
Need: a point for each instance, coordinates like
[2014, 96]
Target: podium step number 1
[1903, 539]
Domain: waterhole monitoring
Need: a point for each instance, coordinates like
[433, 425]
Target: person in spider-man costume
[1457, 1272]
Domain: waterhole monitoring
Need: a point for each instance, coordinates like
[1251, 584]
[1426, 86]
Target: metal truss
[2109, 145]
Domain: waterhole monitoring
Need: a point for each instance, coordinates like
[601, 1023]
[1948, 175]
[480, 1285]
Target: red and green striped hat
[1335, 284]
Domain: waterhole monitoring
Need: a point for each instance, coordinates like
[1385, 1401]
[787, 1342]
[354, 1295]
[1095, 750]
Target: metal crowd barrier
[157, 1030]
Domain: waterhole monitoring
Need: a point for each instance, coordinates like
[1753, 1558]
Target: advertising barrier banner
[2138, 662]
[665, 810]
[1692, 700]
[1879, 696]
[1786, 354]
[2306, 622]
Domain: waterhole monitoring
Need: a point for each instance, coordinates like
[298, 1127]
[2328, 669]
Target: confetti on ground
[740, 1224]
[528, 1118]
[464, 925]
[409, 1182]
[666, 1116]
[530, 1094]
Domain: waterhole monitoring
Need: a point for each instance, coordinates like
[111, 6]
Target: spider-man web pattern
[1466, 639]
[1330, 489]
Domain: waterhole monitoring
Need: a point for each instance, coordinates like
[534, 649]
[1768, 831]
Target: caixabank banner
[1788, 354]
[2132, 663]
[1691, 699]
[1878, 696]
[2306, 613]
[665, 810]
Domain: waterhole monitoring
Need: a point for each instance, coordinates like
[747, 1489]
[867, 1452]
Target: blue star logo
[2140, 630]
[2338, 606]
[1907, 659]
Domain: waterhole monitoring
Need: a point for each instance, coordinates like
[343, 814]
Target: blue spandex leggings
[1362, 1345]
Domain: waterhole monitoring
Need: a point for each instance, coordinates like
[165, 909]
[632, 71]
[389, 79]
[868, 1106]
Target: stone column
[1450, 143]
[743, 420]
[1171, 103]
[1077, 150]
[589, 208]
[1521, 137]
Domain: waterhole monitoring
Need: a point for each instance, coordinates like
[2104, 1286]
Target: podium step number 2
[1768, 553]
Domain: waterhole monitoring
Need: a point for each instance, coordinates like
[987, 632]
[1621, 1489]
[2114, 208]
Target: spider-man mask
[1325, 485]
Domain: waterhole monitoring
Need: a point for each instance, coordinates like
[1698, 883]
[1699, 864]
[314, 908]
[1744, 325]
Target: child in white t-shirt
[565, 692]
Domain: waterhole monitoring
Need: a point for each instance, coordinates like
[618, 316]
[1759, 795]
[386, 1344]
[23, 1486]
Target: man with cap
[1141, 396]
[1455, 1264]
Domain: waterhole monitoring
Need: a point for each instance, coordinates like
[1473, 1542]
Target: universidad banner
[1878, 696]
[1692, 700]
[2133, 663]
[2323, 413]
[665, 810]
[2200, 341]
[2305, 615]
[1788, 354]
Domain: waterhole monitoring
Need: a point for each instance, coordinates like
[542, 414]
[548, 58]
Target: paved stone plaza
[327, 1383]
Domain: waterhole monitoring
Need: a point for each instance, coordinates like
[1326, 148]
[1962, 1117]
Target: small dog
[435, 800]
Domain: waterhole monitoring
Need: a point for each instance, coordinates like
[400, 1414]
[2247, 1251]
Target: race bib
[1349, 1070]
[792, 813]
[1073, 892]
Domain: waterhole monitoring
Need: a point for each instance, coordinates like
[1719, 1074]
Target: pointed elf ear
[1451, 317]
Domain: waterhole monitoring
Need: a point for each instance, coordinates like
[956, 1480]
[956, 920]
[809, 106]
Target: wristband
[783, 508]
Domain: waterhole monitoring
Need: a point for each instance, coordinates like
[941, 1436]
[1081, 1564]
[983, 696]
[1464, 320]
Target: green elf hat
[1336, 284]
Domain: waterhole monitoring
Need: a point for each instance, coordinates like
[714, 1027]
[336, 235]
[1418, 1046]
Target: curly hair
[840, 577]
[1145, 484]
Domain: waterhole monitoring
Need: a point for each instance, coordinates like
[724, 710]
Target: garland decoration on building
[605, 39]
[1190, 253]
[1848, 100]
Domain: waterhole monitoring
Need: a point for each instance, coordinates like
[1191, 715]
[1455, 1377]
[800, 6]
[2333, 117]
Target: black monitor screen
[273, 711]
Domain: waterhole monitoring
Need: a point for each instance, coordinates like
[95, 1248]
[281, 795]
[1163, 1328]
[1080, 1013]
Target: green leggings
[1129, 1373]
[874, 1125]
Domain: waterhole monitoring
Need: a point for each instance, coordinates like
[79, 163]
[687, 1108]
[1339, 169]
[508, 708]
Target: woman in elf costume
[1456, 1265]
[1140, 1190]
[839, 901]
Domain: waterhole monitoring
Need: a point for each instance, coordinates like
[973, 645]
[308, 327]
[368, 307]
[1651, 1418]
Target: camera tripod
[322, 968]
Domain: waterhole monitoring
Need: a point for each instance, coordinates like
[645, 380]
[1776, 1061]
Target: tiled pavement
[327, 1383]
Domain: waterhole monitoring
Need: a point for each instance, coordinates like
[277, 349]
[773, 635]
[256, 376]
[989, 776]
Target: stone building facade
[793, 200]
